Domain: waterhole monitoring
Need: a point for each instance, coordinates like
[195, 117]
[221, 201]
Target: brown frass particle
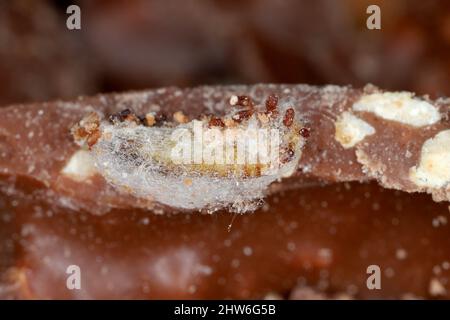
[216, 122]
[289, 117]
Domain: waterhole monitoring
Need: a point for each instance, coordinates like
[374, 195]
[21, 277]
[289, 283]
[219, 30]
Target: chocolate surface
[40, 59]
[321, 237]
[316, 235]
[35, 139]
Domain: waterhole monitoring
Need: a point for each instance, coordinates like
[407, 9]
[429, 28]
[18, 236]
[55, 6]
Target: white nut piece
[350, 130]
[402, 107]
[80, 166]
[434, 166]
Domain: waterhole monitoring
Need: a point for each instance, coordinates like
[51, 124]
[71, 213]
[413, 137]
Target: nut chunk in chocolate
[143, 149]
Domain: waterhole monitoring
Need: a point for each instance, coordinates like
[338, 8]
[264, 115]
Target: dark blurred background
[127, 45]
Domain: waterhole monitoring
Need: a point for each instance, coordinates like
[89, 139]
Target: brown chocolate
[36, 141]
[320, 237]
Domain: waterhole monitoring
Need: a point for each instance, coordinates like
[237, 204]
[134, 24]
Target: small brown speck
[242, 115]
[243, 101]
[87, 128]
[287, 155]
[271, 103]
[289, 117]
[141, 119]
[120, 116]
[125, 112]
[132, 118]
[160, 117]
[305, 132]
[93, 138]
[188, 181]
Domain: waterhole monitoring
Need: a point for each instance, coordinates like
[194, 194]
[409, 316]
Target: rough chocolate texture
[35, 140]
[314, 241]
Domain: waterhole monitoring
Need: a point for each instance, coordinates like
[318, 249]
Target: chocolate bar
[397, 139]
[315, 228]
